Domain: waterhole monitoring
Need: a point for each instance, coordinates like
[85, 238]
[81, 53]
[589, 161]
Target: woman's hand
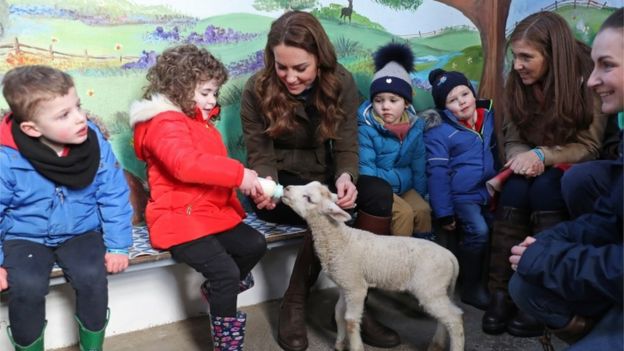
[346, 191]
[250, 186]
[518, 250]
[526, 164]
[262, 200]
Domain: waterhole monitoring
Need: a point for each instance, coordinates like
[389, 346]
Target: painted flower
[90, 92]
[118, 47]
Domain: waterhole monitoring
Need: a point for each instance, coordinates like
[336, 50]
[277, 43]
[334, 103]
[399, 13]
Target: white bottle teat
[269, 187]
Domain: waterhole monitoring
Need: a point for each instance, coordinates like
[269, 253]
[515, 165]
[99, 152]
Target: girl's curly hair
[178, 71]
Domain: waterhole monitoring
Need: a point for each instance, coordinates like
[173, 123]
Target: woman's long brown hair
[300, 30]
[567, 104]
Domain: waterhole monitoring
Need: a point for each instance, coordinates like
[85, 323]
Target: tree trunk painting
[490, 18]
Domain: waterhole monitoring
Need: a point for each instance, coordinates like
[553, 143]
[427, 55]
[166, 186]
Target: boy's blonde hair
[25, 87]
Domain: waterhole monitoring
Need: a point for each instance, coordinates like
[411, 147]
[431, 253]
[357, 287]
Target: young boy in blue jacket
[63, 199]
[391, 140]
[460, 144]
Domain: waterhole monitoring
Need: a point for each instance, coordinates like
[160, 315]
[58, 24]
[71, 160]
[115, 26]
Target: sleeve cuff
[117, 251]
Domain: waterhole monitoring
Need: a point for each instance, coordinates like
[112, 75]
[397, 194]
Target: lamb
[357, 260]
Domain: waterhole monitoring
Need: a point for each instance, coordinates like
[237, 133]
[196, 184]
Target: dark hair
[567, 105]
[26, 87]
[615, 20]
[300, 30]
[178, 71]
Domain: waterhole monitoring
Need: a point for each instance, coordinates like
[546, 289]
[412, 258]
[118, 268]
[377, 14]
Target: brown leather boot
[291, 328]
[373, 224]
[374, 333]
[542, 220]
[510, 227]
[576, 329]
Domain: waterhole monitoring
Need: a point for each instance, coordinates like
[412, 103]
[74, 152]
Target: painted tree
[273, 5]
[401, 4]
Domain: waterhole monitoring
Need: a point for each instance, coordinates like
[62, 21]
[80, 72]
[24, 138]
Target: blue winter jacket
[459, 160]
[34, 208]
[382, 154]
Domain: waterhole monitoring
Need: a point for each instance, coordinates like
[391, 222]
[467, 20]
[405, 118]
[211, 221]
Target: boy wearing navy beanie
[460, 143]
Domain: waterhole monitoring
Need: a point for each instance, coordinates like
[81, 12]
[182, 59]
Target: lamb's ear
[334, 211]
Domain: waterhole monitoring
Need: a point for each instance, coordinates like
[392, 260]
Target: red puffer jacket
[192, 180]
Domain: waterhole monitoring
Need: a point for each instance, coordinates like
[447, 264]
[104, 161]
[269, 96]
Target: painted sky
[431, 15]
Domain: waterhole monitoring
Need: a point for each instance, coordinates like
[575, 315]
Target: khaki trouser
[410, 214]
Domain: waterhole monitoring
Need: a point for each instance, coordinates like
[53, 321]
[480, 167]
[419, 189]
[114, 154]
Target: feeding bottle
[271, 188]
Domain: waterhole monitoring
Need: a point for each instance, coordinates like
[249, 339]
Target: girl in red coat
[193, 210]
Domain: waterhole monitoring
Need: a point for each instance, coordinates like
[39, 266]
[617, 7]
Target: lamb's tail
[453, 282]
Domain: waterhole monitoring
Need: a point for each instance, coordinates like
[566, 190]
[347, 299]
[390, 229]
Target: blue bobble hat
[442, 82]
[393, 62]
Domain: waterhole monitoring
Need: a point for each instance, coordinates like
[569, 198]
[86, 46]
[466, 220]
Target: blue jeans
[474, 221]
[556, 313]
[29, 264]
[542, 193]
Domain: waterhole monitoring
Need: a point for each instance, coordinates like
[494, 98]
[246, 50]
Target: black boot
[291, 328]
[473, 275]
[498, 313]
[524, 325]
[374, 333]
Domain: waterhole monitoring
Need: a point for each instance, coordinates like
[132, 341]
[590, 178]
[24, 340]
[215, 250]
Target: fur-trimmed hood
[432, 118]
[144, 110]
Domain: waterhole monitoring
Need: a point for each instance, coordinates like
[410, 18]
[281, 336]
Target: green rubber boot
[36, 345]
[91, 340]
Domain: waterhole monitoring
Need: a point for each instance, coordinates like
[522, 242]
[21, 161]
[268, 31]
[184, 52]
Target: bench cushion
[141, 250]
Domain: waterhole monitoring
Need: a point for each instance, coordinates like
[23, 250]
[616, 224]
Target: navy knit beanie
[393, 62]
[442, 82]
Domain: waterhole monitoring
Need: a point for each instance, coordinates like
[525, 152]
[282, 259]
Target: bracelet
[539, 153]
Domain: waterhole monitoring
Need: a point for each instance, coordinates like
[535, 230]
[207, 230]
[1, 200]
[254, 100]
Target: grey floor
[399, 311]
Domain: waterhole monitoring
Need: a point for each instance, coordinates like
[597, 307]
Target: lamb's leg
[341, 337]
[448, 315]
[354, 300]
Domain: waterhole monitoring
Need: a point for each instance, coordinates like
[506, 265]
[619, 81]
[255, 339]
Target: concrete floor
[399, 311]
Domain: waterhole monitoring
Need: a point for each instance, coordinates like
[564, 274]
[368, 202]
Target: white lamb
[357, 260]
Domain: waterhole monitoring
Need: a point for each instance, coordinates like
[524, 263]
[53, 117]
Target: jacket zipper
[189, 206]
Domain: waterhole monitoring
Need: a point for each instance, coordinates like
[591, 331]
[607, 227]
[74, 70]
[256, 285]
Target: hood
[144, 110]
[6, 137]
[365, 116]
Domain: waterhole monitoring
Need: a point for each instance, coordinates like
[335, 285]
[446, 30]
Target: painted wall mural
[107, 46]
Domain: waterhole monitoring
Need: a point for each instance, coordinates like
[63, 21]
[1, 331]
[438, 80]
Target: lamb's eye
[307, 197]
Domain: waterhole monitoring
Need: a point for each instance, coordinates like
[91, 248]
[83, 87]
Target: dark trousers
[542, 193]
[224, 259]
[584, 183]
[29, 264]
[374, 197]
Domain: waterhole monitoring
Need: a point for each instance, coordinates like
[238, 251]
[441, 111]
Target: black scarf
[77, 170]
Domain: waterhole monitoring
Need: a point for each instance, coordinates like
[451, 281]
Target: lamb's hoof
[340, 346]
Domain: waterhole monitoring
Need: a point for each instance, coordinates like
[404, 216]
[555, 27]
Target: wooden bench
[143, 256]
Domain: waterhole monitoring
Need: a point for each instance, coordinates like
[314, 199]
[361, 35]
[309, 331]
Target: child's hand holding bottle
[250, 185]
